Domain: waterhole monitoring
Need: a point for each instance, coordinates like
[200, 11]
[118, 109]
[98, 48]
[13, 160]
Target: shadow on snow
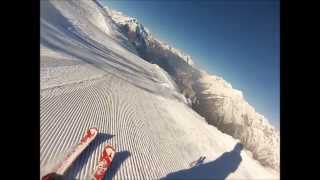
[219, 169]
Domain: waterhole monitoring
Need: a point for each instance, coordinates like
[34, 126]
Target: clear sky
[235, 39]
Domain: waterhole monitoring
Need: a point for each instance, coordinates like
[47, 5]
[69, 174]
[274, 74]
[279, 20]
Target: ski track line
[63, 115]
[107, 105]
[94, 123]
[57, 103]
[168, 159]
[51, 107]
[151, 144]
[126, 128]
[50, 128]
[73, 124]
[82, 102]
[136, 141]
[94, 117]
[66, 111]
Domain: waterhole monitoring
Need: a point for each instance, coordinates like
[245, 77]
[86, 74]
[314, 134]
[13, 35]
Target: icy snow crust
[92, 76]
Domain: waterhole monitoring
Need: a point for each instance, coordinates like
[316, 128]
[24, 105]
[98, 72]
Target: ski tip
[104, 162]
[89, 134]
[108, 152]
[109, 146]
[93, 129]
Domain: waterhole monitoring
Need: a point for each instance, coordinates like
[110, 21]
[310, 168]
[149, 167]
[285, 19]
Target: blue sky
[237, 40]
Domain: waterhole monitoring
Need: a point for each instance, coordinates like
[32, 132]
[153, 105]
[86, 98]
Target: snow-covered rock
[143, 39]
[227, 109]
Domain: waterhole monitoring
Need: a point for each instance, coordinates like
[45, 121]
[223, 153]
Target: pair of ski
[103, 164]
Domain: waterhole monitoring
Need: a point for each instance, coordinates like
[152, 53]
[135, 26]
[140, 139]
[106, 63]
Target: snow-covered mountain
[211, 96]
[146, 98]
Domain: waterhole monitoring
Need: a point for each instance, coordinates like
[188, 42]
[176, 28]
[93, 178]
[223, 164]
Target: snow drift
[93, 75]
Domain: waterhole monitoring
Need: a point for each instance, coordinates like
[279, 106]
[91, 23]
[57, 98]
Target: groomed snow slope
[211, 96]
[92, 77]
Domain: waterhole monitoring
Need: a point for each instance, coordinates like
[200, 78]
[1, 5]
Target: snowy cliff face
[226, 109]
[211, 96]
[141, 37]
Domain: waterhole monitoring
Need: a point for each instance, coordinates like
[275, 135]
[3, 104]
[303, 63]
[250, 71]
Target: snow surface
[211, 96]
[92, 76]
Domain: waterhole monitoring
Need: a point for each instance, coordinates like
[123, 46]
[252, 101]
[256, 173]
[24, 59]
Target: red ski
[104, 162]
[62, 167]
